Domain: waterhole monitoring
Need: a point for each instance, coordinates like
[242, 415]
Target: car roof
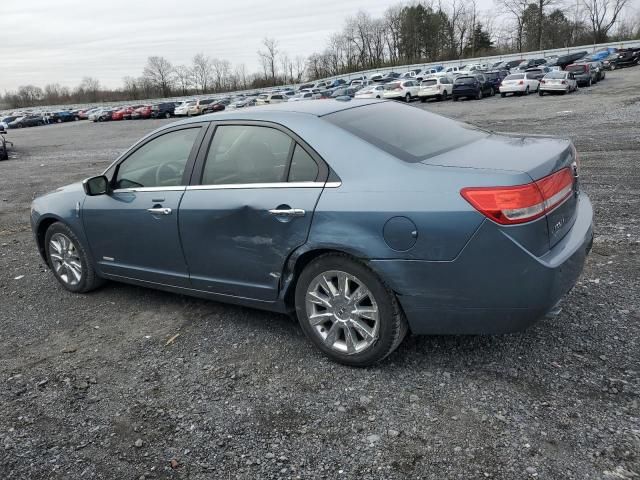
[314, 108]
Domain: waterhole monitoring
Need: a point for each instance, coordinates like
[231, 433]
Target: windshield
[410, 134]
[555, 75]
[465, 80]
[576, 68]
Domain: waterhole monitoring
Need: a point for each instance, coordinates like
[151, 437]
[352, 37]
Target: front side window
[247, 154]
[159, 162]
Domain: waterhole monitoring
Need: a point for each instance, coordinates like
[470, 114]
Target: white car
[183, 109]
[519, 84]
[402, 89]
[563, 82]
[452, 71]
[370, 91]
[360, 83]
[301, 96]
[270, 98]
[435, 87]
[199, 105]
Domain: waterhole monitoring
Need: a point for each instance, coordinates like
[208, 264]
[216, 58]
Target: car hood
[72, 188]
[537, 156]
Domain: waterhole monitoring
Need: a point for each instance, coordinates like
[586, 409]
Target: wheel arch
[41, 231]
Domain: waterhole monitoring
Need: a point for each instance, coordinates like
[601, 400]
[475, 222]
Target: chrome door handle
[159, 211]
[289, 212]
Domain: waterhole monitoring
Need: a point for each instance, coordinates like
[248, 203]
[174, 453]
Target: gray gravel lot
[89, 387]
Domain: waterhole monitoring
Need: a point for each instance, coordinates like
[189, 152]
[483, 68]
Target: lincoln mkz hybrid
[367, 219]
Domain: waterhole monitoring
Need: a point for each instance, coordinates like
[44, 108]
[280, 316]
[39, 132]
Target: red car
[142, 112]
[118, 114]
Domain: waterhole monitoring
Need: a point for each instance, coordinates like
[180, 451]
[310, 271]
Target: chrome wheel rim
[65, 259]
[343, 312]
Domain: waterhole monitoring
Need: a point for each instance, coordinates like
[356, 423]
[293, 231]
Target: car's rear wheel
[492, 92]
[444, 95]
[167, 114]
[613, 66]
[347, 311]
[69, 260]
[407, 97]
[479, 95]
[455, 99]
[423, 99]
[541, 93]
[503, 95]
[526, 91]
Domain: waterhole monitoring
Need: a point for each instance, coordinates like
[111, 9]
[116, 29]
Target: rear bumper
[554, 88]
[494, 285]
[512, 88]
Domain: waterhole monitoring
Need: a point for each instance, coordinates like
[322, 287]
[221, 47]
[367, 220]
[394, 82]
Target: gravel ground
[91, 386]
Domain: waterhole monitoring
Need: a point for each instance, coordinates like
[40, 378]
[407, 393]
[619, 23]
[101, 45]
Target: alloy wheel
[342, 311]
[65, 259]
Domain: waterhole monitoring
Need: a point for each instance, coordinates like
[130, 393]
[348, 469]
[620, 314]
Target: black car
[471, 86]
[163, 110]
[344, 92]
[62, 116]
[564, 60]
[27, 121]
[218, 106]
[627, 57]
[390, 77]
[495, 77]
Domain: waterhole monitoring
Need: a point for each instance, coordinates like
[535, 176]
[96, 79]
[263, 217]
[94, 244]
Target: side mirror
[96, 185]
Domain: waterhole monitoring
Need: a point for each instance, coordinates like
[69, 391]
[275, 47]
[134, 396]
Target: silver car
[558, 81]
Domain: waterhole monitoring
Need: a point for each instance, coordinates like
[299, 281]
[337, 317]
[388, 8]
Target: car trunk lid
[537, 156]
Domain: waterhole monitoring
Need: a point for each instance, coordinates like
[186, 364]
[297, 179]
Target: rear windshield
[408, 133]
[491, 75]
[557, 75]
[517, 76]
[430, 82]
[392, 86]
[465, 80]
[576, 68]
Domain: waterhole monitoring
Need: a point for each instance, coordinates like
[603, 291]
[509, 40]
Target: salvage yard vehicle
[4, 144]
[583, 73]
[561, 82]
[449, 230]
[270, 99]
[402, 90]
[519, 84]
[27, 121]
[473, 86]
[163, 110]
[183, 109]
[438, 87]
[372, 91]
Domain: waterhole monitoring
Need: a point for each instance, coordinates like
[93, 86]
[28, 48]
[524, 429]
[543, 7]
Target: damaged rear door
[249, 205]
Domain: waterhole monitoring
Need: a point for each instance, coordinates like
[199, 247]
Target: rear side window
[410, 134]
[247, 154]
[303, 167]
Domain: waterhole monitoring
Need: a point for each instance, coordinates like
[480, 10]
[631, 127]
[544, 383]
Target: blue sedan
[367, 219]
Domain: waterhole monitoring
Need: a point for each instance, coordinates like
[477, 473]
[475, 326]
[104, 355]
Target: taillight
[521, 203]
[521, 82]
[563, 82]
[542, 81]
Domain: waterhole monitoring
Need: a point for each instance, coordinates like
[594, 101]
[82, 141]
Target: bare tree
[268, 57]
[160, 73]
[241, 74]
[221, 73]
[91, 87]
[202, 71]
[130, 88]
[517, 9]
[183, 76]
[602, 16]
[300, 65]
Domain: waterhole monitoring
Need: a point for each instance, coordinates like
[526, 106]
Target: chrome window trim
[239, 186]
[150, 189]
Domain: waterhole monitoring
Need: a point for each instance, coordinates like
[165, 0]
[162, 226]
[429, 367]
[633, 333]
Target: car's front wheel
[347, 312]
[69, 260]
[407, 97]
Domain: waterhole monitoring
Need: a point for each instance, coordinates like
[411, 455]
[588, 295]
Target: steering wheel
[168, 171]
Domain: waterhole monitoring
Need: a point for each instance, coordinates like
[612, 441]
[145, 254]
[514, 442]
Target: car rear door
[250, 204]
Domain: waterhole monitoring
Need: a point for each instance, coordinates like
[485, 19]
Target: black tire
[455, 99]
[503, 95]
[613, 66]
[526, 91]
[393, 325]
[423, 99]
[89, 280]
[540, 92]
[445, 95]
[492, 92]
[167, 114]
[407, 98]
[479, 95]
[590, 82]
[59, 120]
[4, 155]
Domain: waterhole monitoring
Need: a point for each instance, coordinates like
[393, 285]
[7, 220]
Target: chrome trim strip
[241, 186]
[150, 189]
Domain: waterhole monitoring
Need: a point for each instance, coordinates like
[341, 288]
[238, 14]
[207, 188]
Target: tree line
[407, 33]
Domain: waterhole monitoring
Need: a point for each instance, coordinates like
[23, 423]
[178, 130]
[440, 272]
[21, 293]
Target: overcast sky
[49, 41]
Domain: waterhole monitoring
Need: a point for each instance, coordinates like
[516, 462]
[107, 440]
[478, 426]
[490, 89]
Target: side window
[303, 167]
[158, 163]
[246, 154]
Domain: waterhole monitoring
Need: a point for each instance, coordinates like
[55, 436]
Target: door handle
[159, 211]
[288, 212]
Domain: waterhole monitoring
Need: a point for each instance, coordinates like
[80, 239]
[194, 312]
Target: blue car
[366, 219]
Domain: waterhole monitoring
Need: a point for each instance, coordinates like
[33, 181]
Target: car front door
[133, 230]
[251, 203]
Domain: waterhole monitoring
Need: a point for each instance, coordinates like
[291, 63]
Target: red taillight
[521, 203]
[541, 81]
[521, 82]
[563, 82]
